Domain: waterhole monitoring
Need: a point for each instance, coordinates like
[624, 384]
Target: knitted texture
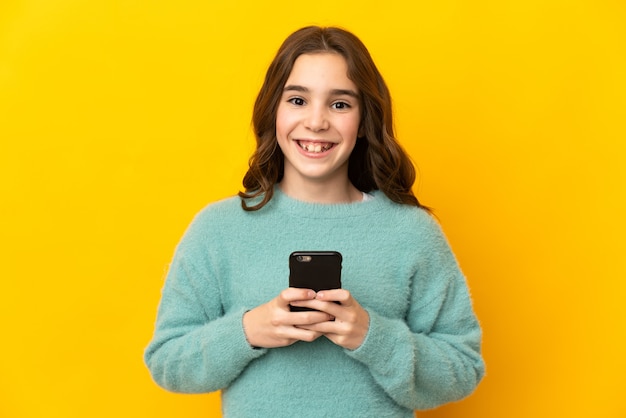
[423, 344]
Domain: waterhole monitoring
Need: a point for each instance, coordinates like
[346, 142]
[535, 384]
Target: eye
[298, 101]
[341, 106]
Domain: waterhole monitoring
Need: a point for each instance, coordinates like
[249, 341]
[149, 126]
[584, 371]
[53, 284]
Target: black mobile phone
[316, 270]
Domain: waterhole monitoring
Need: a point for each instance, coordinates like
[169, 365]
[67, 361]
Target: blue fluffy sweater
[423, 345]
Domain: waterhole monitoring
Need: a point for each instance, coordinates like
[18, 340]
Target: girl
[327, 174]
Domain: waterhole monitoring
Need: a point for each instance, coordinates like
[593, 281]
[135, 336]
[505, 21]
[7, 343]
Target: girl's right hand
[273, 324]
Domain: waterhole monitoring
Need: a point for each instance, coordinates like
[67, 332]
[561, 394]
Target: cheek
[283, 123]
[351, 128]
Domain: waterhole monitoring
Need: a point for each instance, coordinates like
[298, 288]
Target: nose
[316, 118]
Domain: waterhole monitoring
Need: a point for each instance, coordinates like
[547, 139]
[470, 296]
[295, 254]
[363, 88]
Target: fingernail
[320, 295]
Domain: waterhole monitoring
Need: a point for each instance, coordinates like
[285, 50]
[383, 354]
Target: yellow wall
[120, 119]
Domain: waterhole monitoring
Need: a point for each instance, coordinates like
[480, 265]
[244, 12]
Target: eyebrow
[333, 92]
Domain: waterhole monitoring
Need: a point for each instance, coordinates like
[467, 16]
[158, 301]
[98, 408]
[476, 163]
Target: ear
[361, 132]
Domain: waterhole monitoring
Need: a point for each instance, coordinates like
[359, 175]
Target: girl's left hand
[351, 322]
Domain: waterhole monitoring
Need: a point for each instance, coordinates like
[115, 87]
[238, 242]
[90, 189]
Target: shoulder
[211, 221]
[408, 215]
[415, 225]
[219, 210]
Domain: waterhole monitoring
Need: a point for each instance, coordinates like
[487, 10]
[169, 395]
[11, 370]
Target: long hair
[377, 162]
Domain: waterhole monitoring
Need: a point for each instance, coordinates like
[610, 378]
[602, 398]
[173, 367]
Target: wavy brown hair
[377, 162]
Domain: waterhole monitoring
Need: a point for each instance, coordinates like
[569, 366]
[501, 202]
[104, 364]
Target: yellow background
[119, 120]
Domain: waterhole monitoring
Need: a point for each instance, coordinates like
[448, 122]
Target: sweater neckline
[301, 209]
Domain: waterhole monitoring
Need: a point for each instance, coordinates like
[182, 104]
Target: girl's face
[317, 122]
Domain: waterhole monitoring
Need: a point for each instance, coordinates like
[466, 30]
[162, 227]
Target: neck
[321, 192]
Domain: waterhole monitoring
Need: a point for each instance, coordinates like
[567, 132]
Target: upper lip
[325, 141]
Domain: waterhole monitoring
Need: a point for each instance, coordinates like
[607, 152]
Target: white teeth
[316, 147]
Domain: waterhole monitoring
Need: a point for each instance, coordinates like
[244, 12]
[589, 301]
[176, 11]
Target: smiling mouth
[315, 147]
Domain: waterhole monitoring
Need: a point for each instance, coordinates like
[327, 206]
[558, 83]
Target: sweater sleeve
[432, 356]
[196, 347]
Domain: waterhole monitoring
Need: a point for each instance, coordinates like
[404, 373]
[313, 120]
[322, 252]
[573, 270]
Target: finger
[344, 334]
[326, 328]
[329, 308]
[292, 294]
[336, 295]
[300, 334]
[309, 317]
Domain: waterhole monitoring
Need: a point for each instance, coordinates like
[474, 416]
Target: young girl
[327, 174]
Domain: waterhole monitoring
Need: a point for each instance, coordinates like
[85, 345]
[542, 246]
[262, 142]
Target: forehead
[324, 68]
